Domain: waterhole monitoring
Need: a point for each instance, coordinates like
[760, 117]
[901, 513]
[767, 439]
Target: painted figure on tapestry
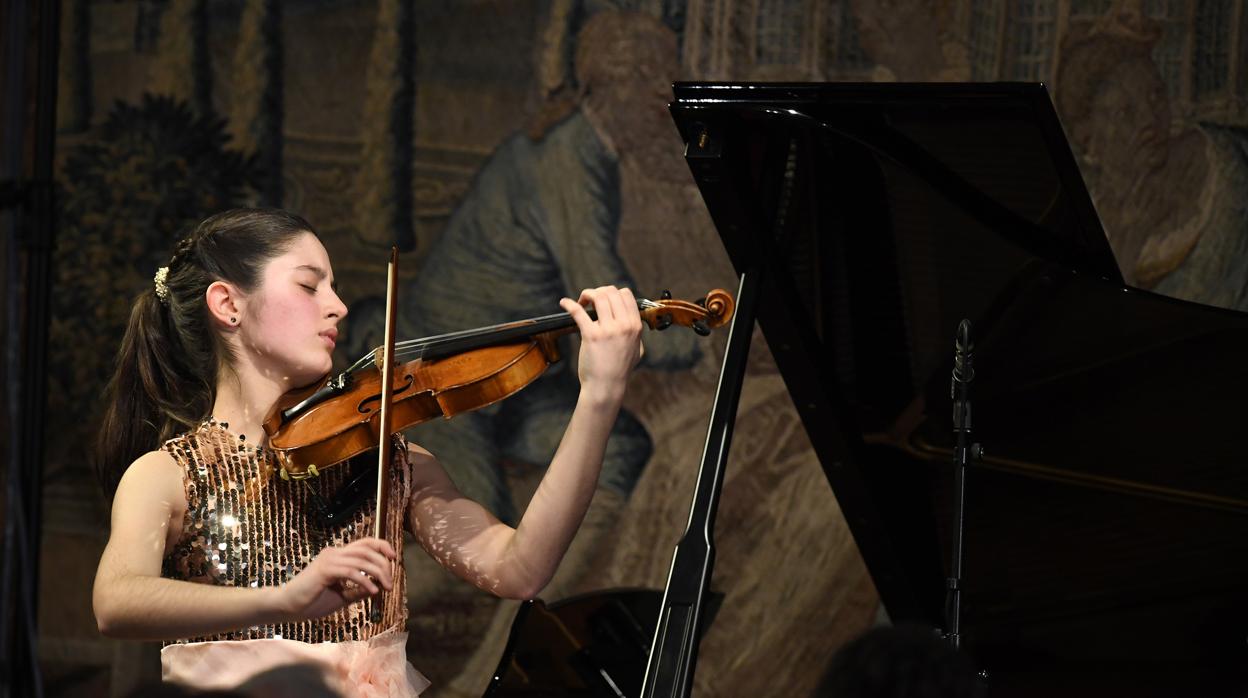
[542, 217]
[911, 40]
[1171, 202]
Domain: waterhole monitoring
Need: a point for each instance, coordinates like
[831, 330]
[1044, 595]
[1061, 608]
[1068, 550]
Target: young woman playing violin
[213, 554]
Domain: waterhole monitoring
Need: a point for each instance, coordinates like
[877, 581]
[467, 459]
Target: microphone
[963, 366]
[963, 374]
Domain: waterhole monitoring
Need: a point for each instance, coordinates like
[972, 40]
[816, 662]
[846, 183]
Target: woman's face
[290, 322]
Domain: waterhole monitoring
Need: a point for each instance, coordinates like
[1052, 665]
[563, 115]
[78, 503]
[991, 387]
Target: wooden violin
[441, 376]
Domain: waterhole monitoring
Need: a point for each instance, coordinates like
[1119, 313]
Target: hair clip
[162, 290]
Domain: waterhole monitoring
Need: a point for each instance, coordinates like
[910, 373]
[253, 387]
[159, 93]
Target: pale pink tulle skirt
[375, 668]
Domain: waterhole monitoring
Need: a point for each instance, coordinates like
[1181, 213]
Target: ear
[225, 303]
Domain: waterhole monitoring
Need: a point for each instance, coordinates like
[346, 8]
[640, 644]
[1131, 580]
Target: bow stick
[385, 447]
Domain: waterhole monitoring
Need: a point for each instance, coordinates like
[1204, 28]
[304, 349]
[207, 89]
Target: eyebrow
[320, 273]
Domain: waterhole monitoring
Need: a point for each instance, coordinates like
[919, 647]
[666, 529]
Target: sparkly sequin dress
[245, 527]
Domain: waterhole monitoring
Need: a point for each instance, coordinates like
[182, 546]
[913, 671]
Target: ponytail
[153, 393]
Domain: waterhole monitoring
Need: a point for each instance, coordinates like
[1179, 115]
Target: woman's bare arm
[517, 563]
[133, 601]
[471, 542]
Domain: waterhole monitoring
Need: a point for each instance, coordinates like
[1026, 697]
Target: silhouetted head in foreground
[901, 662]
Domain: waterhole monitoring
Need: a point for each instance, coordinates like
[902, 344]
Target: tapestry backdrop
[519, 150]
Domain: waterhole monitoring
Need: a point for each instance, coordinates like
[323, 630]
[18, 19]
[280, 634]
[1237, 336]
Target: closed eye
[310, 289]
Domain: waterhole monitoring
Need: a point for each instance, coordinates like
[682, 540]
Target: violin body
[347, 425]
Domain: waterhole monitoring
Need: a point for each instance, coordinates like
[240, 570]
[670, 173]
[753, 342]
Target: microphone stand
[963, 454]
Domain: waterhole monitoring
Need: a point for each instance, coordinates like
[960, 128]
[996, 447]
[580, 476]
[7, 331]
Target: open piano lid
[1107, 528]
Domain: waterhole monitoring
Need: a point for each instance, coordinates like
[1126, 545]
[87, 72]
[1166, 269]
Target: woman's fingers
[571, 307]
[589, 300]
[619, 309]
[382, 547]
[600, 298]
[379, 552]
[346, 573]
[366, 562]
[370, 566]
[609, 297]
[616, 308]
[611, 345]
[377, 544]
[631, 310]
[612, 304]
[365, 573]
[632, 314]
[369, 553]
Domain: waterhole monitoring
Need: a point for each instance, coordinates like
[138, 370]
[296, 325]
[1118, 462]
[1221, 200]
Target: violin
[339, 416]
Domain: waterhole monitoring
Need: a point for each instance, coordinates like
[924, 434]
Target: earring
[233, 321]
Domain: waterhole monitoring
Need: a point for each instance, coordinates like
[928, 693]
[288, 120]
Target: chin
[325, 367]
[314, 371]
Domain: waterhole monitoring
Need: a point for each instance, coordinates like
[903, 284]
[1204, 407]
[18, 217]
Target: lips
[331, 337]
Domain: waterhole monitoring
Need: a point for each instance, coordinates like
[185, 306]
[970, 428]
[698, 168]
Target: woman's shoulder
[153, 474]
[154, 463]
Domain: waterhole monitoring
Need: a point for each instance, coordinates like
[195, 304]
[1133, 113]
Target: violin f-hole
[364, 406]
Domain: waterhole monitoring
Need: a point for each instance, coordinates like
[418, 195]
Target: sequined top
[246, 527]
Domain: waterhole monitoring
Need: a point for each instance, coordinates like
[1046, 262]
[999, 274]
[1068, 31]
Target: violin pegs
[701, 301]
[700, 327]
[666, 295]
[663, 322]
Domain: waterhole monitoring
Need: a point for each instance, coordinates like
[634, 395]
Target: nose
[337, 309]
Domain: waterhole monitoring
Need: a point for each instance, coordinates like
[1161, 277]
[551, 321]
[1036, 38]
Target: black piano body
[1107, 526]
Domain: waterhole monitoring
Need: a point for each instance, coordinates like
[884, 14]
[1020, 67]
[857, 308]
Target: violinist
[224, 562]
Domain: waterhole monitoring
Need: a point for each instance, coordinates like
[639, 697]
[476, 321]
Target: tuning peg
[663, 322]
[700, 327]
[666, 295]
[701, 301]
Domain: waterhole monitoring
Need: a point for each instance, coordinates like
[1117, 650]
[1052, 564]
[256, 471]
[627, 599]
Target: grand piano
[1106, 527]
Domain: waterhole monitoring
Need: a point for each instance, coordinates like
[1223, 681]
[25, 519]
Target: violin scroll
[715, 310]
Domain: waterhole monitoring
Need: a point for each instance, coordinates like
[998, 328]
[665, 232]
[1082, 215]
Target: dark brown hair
[166, 374]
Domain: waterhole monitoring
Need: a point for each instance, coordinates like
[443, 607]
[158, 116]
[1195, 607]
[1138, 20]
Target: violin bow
[385, 447]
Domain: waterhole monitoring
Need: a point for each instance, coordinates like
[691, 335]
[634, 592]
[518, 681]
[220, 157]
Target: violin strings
[545, 323]
[416, 348]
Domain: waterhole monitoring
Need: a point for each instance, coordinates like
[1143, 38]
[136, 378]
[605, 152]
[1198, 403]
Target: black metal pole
[963, 453]
[674, 651]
